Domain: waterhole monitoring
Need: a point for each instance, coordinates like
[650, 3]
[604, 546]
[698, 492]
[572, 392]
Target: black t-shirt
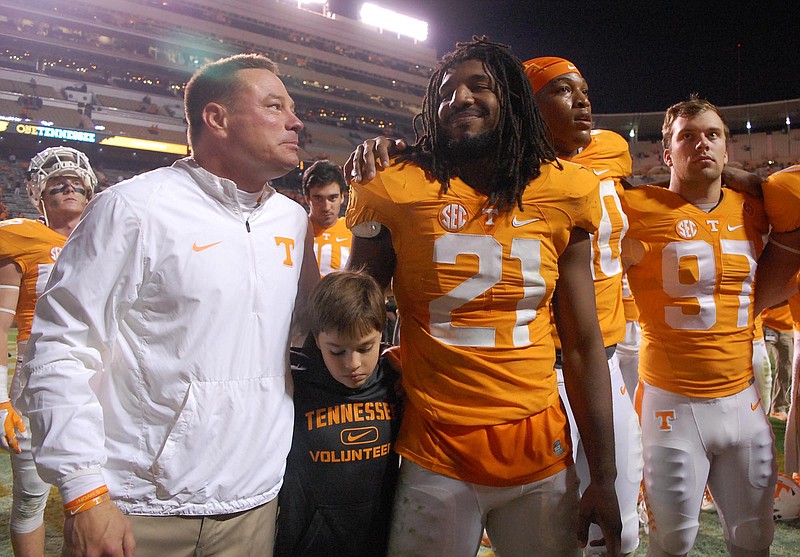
[342, 469]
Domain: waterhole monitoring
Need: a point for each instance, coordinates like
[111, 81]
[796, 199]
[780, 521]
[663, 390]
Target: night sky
[636, 56]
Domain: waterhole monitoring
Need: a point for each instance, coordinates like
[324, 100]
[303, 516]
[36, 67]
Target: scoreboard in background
[25, 128]
[67, 134]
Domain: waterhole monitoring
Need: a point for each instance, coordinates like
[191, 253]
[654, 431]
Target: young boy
[341, 471]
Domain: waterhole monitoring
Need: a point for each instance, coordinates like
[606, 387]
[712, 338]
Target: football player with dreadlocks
[480, 229]
[60, 183]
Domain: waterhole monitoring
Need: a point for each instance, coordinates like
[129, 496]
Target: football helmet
[58, 161]
[787, 499]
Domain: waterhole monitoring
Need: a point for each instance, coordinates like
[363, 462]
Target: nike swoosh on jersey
[755, 405]
[198, 248]
[340, 239]
[599, 172]
[623, 389]
[517, 223]
[732, 228]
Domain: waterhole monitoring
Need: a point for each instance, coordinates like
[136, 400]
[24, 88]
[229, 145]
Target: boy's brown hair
[349, 303]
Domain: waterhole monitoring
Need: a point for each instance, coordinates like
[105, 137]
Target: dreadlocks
[522, 145]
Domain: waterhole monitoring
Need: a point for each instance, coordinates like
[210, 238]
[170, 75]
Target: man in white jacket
[156, 370]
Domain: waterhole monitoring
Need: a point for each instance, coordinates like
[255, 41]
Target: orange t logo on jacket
[288, 244]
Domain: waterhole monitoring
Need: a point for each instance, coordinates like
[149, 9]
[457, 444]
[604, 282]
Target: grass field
[709, 542]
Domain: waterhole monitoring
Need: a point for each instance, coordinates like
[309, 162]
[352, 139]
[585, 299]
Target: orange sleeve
[779, 318]
[34, 248]
[782, 199]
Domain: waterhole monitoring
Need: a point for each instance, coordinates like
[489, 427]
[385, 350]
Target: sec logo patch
[453, 217]
[686, 229]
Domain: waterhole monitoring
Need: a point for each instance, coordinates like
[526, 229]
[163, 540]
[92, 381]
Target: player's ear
[667, 158]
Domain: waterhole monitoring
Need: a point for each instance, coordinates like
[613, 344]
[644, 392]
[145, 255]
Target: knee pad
[30, 494]
[753, 535]
[27, 511]
[678, 542]
[655, 550]
[673, 524]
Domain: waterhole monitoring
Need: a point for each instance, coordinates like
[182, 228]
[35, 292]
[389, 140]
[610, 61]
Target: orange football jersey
[332, 246]
[34, 248]
[608, 157]
[693, 285]
[474, 287]
[782, 199]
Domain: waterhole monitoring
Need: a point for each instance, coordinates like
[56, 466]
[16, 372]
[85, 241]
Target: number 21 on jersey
[488, 275]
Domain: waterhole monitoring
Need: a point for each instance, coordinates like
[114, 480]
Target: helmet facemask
[58, 161]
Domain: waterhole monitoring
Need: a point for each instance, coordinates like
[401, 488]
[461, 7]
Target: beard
[470, 148]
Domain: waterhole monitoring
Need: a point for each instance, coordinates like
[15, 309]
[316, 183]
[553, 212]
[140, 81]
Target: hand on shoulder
[363, 162]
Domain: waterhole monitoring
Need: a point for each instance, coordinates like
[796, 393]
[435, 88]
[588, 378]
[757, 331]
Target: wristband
[10, 311]
[3, 393]
[87, 501]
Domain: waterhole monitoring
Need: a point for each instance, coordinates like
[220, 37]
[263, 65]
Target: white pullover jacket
[158, 361]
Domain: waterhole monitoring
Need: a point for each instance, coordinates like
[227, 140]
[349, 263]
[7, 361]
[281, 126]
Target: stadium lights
[392, 21]
[314, 5]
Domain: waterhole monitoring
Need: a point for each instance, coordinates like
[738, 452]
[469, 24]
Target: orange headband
[541, 70]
